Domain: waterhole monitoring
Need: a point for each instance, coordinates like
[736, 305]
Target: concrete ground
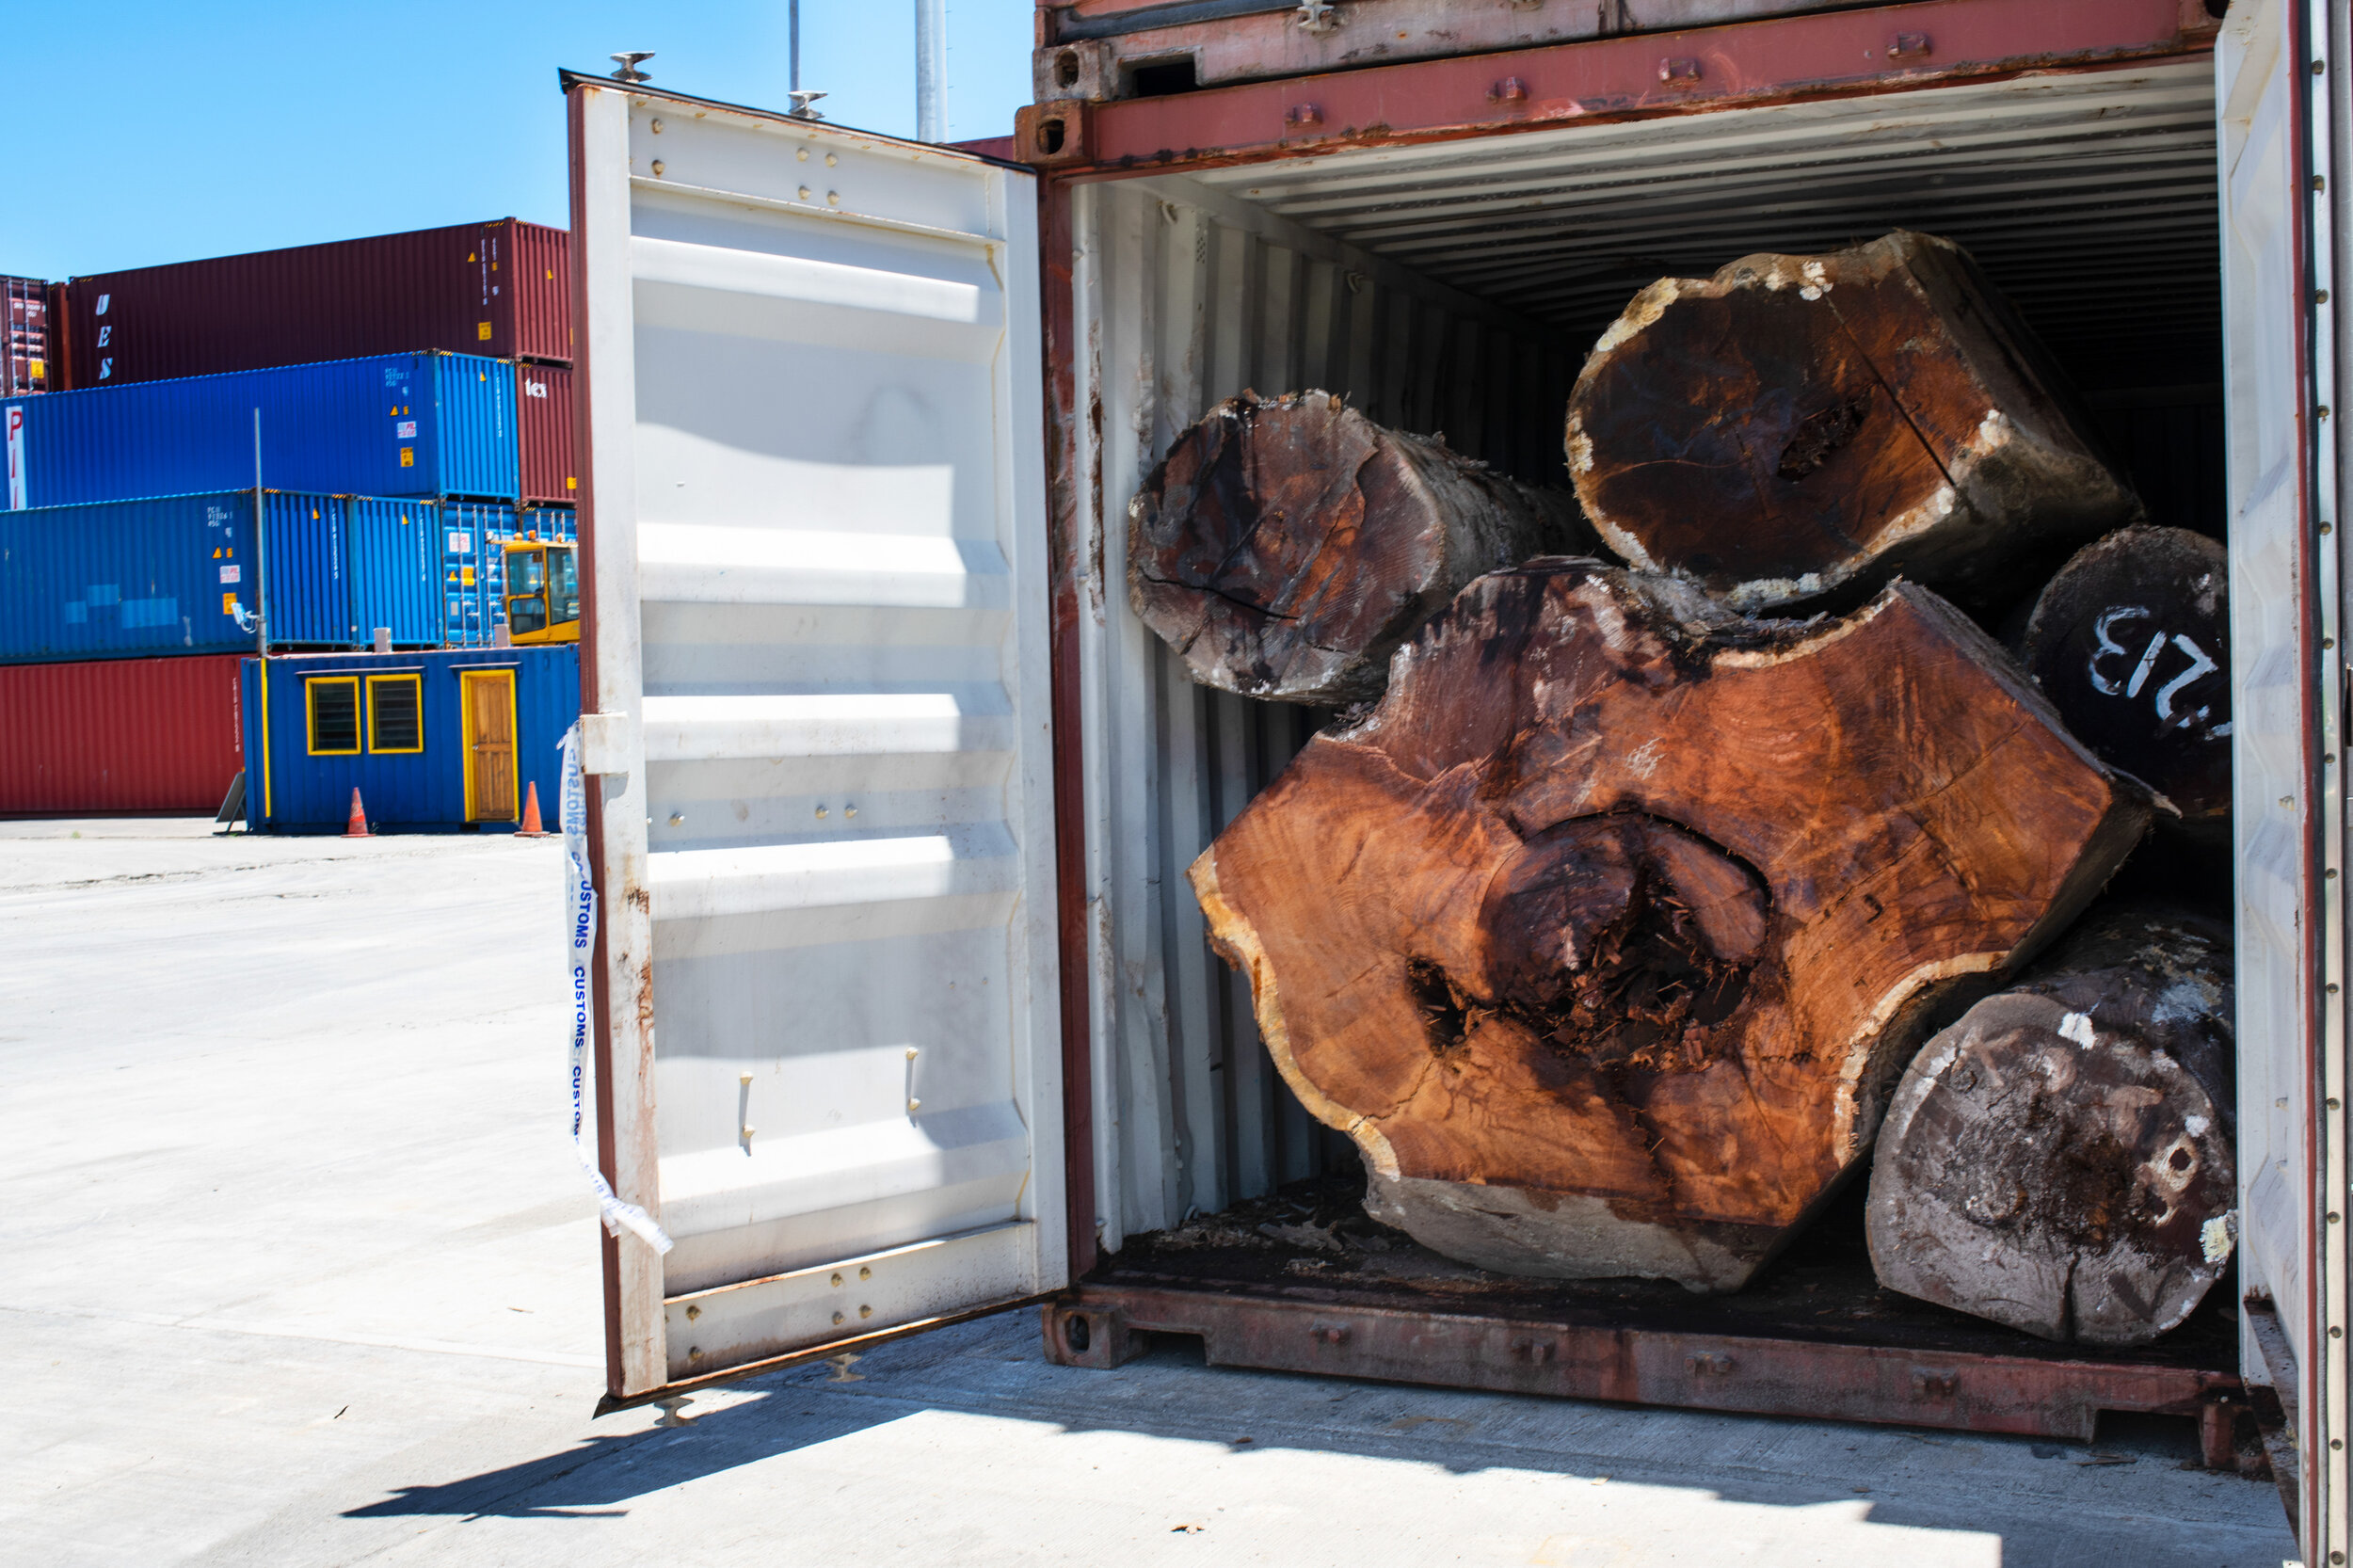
[299, 1271]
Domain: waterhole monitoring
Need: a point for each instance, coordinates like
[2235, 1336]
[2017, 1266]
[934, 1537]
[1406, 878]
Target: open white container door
[816, 638]
[2275, 84]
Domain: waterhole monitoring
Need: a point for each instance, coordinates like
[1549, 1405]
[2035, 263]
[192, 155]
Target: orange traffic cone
[356, 827]
[531, 828]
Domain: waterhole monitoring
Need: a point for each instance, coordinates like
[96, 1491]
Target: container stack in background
[413, 399]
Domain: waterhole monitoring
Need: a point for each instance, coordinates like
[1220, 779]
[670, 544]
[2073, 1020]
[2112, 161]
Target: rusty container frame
[1089, 124]
[1102, 50]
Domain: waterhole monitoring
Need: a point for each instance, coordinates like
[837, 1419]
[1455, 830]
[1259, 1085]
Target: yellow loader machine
[542, 584]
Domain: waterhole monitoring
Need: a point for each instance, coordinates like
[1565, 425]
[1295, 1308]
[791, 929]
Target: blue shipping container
[395, 559]
[444, 740]
[473, 572]
[176, 574]
[411, 426]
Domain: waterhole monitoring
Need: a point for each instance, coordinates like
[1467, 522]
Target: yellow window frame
[310, 714]
[417, 683]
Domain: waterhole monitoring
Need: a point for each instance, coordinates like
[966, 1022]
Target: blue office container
[474, 573]
[411, 426]
[443, 740]
[170, 574]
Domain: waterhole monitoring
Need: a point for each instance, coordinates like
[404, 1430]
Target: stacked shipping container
[405, 424]
[126, 735]
[24, 358]
[500, 289]
[395, 368]
[180, 574]
[543, 403]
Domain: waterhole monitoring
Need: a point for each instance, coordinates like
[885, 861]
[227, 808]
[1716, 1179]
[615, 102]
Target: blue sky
[162, 131]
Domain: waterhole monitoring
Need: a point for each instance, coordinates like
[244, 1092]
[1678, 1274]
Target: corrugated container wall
[501, 288]
[1200, 296]
[394, 571]
[25, 363]
[120, 735]
[414, 779]
[168, 575]
[543, 413]
[471, 533]
[542, 294]
[405, 425]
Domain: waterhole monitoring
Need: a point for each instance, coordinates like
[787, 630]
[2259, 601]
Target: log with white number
[2131, 642]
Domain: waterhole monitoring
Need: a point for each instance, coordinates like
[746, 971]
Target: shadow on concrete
[591, 1479]
[2051, 1503]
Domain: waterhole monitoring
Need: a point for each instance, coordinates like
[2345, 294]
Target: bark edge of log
[1889, 413]
[1284, 547]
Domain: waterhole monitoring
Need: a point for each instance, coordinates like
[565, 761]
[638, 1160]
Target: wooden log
[2060, 1158]
[1285, 546]
[1801, 430]
[1605, 934]
[2131, 643]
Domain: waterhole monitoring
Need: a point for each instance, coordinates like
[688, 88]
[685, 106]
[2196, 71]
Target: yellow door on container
[487, 699]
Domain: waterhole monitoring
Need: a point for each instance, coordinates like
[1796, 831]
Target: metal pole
[931, 70]
[793, 10]
[261, 550]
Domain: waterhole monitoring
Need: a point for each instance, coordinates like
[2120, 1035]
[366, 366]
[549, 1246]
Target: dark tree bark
[1284, 547]
[1605, 934]
[2060, 1158]
[1801, 430]
[2131, 643]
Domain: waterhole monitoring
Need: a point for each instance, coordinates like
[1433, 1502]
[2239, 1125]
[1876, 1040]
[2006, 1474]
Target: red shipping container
[543, 424]
[25, 360]
[120, 735]
[502, 288]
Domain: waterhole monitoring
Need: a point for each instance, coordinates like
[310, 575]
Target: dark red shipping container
[120, 735]
[544, 420]
[24, 366]
[502, 288]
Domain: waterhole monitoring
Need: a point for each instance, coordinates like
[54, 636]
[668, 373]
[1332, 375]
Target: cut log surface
[2060, 1158]
[1605, 934]
[2131, 643]
[1285, 546]
[1801, 430]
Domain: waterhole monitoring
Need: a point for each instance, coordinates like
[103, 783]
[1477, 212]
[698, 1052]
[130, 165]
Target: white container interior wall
[1457, 287]
[1197, 297]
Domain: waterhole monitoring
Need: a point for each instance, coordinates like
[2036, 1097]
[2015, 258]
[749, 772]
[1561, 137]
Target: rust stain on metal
[2022, 1395]
[1788, 58]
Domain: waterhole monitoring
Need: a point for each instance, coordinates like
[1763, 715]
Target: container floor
[1311, 1241]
